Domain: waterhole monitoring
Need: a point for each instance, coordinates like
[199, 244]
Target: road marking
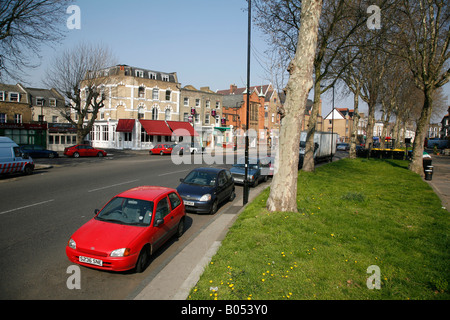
[25, 207]
[113, 185]
[166, 174]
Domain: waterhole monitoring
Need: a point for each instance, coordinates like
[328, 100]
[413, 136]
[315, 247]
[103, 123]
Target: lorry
[324, 146]
[12, 159]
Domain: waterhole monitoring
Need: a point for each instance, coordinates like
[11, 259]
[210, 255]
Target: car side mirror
[159, 222]
[181, 180]
[96, 211]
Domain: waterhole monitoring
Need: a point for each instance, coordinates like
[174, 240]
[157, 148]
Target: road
[38, 213]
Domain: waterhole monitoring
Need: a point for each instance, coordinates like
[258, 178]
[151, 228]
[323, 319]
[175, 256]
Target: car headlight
[72, 244]
[123, 252]
[205, 197]
[252, 178]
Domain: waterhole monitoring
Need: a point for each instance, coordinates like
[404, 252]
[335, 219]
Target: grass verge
[352, 214]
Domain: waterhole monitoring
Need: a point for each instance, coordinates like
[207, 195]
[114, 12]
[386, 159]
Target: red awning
[183, 128]
[156, 127]
[125, 125]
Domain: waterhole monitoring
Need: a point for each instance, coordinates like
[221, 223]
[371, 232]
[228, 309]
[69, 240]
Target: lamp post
[246, 186]
[332, 128]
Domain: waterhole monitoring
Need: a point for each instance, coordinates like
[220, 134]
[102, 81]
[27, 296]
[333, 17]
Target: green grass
[352, 214]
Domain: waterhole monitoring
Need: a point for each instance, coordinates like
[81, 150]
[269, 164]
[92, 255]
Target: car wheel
[255, 184]
[76, 155]
[143, 260]
[214, 207]
[161, 153]
[100, 154]
[51, 155]
[232, 195]
[180, 229]
[28, 170]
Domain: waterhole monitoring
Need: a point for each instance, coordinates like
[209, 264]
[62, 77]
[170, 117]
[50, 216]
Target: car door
[176, 210]
[161, 230]
[221, 186]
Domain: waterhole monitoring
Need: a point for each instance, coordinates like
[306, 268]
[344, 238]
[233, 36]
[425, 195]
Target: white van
[12, 160]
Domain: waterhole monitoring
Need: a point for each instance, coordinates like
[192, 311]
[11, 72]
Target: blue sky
[204, 41]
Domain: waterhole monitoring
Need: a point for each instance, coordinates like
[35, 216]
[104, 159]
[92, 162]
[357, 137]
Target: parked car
[343, 146]
[128, 230]
[83, 150]
[257, 171]
[183, 147]
[204, 189]
[36, 151]
[161, 149]
[269, 166]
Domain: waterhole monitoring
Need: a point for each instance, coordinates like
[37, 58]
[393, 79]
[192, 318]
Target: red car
[83, 150]
[128, 230]
[161, 149]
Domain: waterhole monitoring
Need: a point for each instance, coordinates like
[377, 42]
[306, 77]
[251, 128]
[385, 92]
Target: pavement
[440, 181]
[182, 273]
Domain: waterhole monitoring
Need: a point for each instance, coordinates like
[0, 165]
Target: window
[41, 118]
[197, 118]
[2, 95]
[17, 118]
[208, 103]
[155, 94]
[167, 115]
[197, 102]
[141, 114]
[162, 209]
[168, 92]
[52, 102]
[186, 117]
[186, 102]
[152, 75]
[217, 104]
[165, 77]
[40, 102]
[174, 200]
[139, 73]
[105, 133]
[3, 118]
[207, 116]
[155, 114]
[141, 92]
[14, 97]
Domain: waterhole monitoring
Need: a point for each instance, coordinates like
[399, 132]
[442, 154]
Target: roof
[145, 192]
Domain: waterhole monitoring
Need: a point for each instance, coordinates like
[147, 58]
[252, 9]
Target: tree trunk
[356, 117]
[283, 191]
[416, 165]
[308, 161]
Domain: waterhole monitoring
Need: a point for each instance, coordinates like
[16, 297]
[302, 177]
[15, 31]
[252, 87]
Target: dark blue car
[204, 189]
[36, 151]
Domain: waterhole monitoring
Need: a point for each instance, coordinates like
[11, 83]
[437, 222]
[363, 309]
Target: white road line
[25, 207]
[166, 174]
[113, 185]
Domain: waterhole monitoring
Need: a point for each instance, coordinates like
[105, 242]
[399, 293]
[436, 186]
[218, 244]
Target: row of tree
[391, 54]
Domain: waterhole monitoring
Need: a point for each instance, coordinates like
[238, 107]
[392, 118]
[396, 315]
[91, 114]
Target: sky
[204, 41]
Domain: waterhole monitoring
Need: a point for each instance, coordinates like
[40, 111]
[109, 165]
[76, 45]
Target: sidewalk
[176, 279]
[441, 179]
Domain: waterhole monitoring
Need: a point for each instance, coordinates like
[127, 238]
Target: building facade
[27, 114]
[133, 97]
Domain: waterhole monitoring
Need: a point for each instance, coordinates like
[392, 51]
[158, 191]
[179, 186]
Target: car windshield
[201, 178]
[127, 211]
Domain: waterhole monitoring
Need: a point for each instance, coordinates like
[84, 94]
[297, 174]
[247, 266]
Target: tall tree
[283, 192]
[74, 73]
[420, 35]
[24, 26]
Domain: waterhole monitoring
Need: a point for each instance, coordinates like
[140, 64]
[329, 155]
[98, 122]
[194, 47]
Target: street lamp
[246, 186]
[332, 128]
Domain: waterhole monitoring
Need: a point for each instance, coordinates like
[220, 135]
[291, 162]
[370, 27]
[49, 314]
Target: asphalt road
[38, 214]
